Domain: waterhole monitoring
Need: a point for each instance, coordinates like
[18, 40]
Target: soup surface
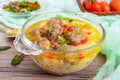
[62, 34]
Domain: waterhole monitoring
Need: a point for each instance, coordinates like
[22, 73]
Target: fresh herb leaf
[17, 59]
[50, 28]
[61, 40]
[2, 48]
[68, 41]
[59, 16]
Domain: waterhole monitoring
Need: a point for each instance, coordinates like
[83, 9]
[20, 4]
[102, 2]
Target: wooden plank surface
[28, 70]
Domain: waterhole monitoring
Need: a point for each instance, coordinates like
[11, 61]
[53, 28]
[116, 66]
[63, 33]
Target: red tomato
[34, 6]
[87, 5]
[105, 7]
[73, 44]
[64, 27]
[115, 5]
[96, 6]
[85, 2]
[70, 29]
[89, 8]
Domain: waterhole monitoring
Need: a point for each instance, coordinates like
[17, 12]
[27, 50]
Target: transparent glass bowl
[60, 62]
[12, 14]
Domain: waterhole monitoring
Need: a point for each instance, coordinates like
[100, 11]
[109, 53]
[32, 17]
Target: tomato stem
[92, 1]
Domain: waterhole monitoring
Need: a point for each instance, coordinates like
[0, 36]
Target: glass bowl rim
[30, 44]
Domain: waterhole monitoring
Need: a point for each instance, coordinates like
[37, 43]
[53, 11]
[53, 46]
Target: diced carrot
[64, 27]
[18, 10]
[88, 32]
[52, 45]
[83, 41]
[81, 56]
[49, 55]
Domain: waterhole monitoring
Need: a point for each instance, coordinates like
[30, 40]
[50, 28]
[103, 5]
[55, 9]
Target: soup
[59, 34]
[62, 39]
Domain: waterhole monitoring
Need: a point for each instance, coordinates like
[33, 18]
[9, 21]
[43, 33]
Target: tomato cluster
[103, 6]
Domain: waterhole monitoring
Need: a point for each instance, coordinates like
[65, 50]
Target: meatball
[35, 33]
[54, 21]
[54, 28]
[42, 42]
[56, 31]
[75, 37]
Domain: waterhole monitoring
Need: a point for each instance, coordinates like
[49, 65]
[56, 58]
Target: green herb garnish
[17, 59]
[59, 16]
[2, 48]
[61, 40]
[50, 28]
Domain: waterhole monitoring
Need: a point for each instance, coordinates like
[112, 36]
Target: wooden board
[28, 70]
